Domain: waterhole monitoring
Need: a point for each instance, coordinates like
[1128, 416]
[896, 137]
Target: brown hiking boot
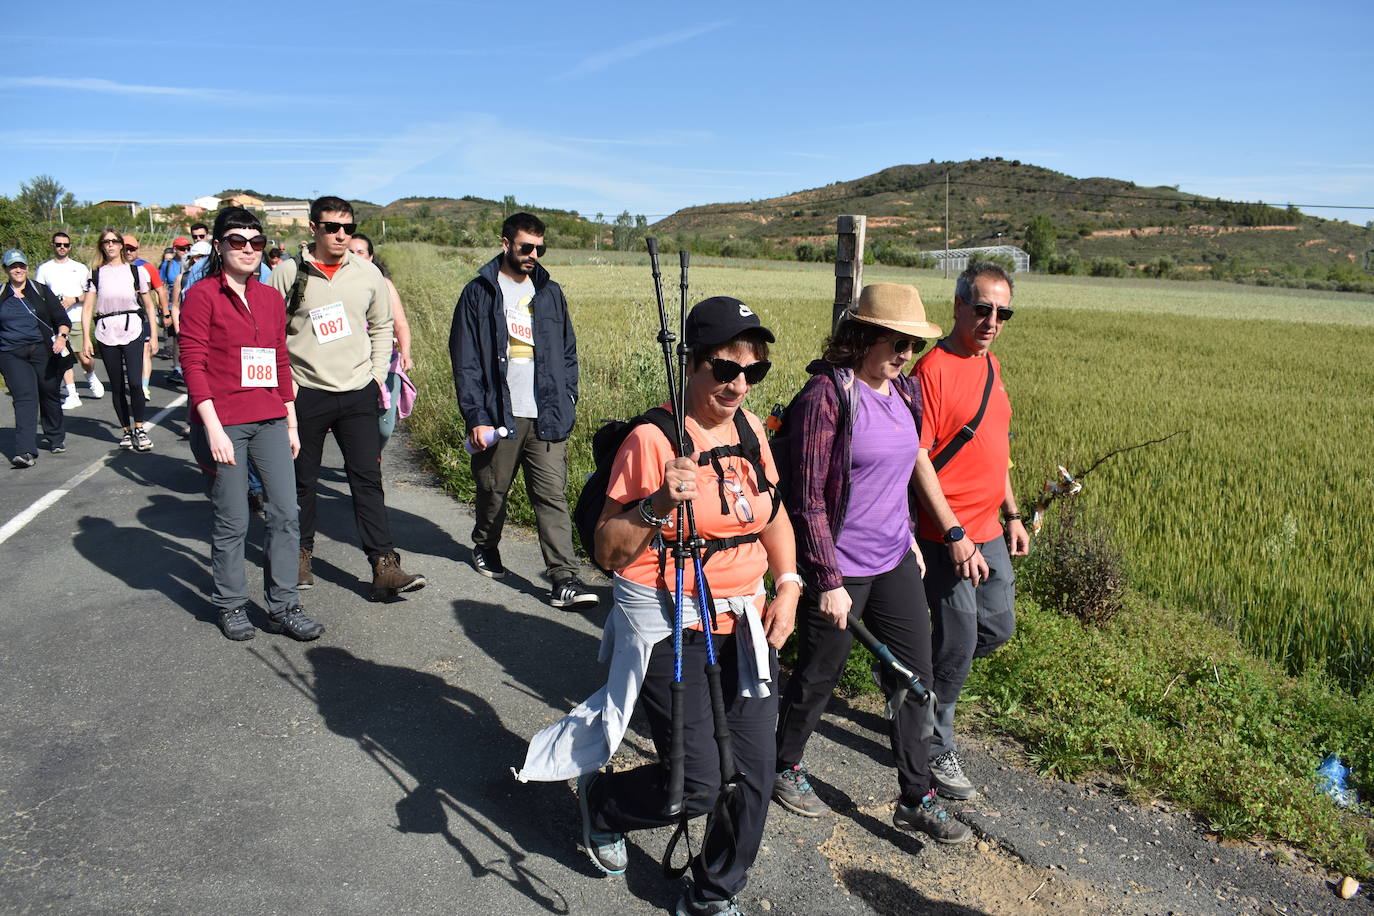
[388, 578]
[304, 578]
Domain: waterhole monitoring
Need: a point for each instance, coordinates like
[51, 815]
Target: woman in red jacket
[233, 355]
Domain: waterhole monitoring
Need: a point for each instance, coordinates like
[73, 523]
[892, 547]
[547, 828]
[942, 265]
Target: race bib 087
[259, 367]
[330, 322]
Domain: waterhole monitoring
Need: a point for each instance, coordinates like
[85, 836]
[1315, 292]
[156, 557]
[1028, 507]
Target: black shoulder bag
[966, 431]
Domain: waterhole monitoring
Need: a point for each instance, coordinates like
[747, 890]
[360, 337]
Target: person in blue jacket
[34, 330]
[515, 368]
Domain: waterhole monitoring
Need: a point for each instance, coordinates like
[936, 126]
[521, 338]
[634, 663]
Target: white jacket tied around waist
[585, 739]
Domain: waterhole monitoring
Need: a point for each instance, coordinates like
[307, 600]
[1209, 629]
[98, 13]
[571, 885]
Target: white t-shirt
[67, 279]
[519, 345]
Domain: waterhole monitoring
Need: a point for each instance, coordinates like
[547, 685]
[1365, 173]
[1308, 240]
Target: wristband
[646, 512]
[1014, 517]
[789, 577]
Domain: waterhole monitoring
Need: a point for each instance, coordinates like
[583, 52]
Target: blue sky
[654, 106]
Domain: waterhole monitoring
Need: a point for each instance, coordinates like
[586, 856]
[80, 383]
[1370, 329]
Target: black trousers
[352, 415]
[34, 378]
[635, 799]
[124, 366]
[893, 606]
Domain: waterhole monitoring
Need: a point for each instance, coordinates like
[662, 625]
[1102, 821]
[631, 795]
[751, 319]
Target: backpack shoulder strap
[293, 301]
[749, 448]
[966, 431]
[133, 269]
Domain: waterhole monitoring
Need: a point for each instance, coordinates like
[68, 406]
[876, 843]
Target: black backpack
[607, 441]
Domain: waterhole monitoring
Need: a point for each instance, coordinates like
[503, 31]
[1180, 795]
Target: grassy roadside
[1176, 706]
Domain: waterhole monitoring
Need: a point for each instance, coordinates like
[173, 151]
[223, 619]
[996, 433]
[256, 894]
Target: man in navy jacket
[515, 368]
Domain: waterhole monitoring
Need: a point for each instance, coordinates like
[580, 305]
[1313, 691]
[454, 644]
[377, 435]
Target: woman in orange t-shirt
[729, 350]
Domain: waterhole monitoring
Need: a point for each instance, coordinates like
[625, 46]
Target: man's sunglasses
[332, 228]
[201, 237]
[983, 310]
[727, 370]
[61, 244]
[131, 248]
[525, 248]
[239, 242]
[183, 247]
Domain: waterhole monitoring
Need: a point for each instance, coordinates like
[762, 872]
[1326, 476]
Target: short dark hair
[963, 287]
[274, 253]
[195, 226]
[522, 222]
[750, 337]
[851, 342]
[229, 218]
[59, 234]
[322, 205]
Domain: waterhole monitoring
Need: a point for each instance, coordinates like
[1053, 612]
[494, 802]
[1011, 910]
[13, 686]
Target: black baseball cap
[712, 322]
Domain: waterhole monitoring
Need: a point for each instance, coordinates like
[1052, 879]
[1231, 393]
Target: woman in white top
[112, 307]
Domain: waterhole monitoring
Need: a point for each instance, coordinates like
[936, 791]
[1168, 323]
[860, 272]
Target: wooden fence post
[849, 263]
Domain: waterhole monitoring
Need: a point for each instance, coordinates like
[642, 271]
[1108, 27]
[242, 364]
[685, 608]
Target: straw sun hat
[895, 306]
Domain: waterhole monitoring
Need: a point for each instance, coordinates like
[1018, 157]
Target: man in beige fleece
[338, 334]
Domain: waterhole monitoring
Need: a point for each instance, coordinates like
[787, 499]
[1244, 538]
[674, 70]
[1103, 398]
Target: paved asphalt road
[148, 765]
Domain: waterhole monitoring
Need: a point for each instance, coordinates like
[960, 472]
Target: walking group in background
[892, 504]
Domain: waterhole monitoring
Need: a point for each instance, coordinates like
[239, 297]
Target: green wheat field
[1257, 515]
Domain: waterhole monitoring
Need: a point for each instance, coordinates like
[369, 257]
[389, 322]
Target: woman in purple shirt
[858, 424]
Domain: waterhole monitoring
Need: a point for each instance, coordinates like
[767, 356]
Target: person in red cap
[159, 309]
[170, 270]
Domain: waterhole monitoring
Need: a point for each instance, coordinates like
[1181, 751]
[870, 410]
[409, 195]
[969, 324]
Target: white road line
[14, 525]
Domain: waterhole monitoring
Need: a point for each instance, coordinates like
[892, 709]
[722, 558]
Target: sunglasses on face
[183, 248]
[239, 242]
[902, 344]
[199, 237]
[983, 310]
[727, 370]
[131, 248]
[332, 228]
[61, 244]
[112, 241]
[525, 248]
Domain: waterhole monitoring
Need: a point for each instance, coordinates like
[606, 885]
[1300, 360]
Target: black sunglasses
[239, 242]
[183, 247]
[983, 310]
[331, 228]
[727, 370]
[131, 248]
[526, 247]
[200, 237]
[61, 244]
[902, 344]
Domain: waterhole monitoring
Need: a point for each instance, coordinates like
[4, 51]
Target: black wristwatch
[954, 535]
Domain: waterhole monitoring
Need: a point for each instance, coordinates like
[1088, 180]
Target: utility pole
[946, 223]
[849, 263]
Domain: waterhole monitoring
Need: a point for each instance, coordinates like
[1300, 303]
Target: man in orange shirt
[967, 548]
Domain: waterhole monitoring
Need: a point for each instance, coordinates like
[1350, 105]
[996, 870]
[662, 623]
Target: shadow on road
[890, 897]
[145, 560]
[447, 752]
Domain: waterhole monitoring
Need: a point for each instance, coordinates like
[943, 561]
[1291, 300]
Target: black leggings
[124, 366]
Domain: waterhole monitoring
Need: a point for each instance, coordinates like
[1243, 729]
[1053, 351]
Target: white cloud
[634, 49]
[92, 84]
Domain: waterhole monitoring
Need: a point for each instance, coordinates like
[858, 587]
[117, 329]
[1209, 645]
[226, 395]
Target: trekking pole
[677, 752]
[871, 643]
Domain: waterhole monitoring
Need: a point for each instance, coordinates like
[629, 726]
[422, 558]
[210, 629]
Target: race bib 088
[259, 367]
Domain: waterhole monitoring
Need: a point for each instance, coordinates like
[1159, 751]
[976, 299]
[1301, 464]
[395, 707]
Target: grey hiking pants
[266, 444]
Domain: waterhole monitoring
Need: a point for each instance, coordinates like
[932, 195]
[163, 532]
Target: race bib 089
[330, 322]
[259, 367]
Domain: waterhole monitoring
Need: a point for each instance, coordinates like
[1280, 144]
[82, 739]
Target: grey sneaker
[931, 818]
[606, 850]
[236, 625]
[793, 791]
[947, 772]
[295, 624]
[570, 592]
[689, 905]
[26, 460]
[487, 561]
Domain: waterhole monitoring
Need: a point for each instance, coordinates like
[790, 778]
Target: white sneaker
[72, 401]
[97, 389]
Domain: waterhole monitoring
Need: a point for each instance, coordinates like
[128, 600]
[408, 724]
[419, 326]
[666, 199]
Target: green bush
[1108, 267]
[1075, 569]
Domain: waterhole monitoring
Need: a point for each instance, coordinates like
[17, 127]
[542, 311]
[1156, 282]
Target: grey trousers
[546, 482]
[227, 486]
[965, 623]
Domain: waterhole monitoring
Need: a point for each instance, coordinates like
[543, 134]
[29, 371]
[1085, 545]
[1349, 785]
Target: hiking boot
[487, 561]
[236, 625]
[947, 772]
[606, 850]
[255, 504]
[295, 624]
[126, 440]
[931, 818]
[71, 401]
[304, 578]
[570, 592]
[141, 441]
[93, 384]
[793, 791]
[388, 578]
[25, 460]
[689, 905]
